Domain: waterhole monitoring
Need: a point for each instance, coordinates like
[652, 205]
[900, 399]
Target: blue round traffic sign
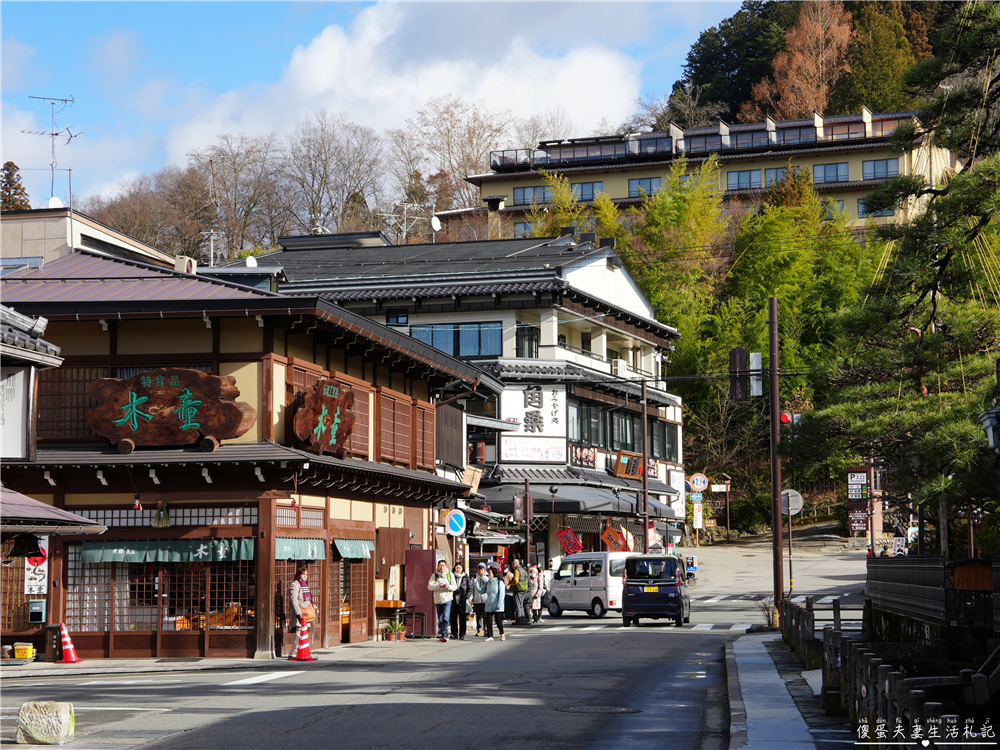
[455, 523]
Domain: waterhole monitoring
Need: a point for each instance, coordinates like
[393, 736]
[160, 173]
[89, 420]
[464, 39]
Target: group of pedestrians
[492, 594]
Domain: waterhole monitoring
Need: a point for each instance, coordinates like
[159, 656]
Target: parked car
[589, 581]
[655, 586]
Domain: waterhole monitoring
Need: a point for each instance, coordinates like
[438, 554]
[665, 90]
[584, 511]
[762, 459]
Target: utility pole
[645, 472]
[776, 532]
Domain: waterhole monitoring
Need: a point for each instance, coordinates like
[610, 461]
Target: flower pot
[390, 636]
[402, 635]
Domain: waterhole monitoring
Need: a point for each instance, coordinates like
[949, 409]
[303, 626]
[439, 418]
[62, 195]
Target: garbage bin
[53, 643]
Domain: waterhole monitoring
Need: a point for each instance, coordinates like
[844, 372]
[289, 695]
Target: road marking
[553, 630]
[799, 599]
[262, 678]
[828, 599]
[128, 682]
[740, 626]
[703, 626]
[594, 627]
[715, 599]
[109, 708]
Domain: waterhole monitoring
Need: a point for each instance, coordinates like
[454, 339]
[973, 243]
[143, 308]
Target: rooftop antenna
[53, 133]
[407, 222]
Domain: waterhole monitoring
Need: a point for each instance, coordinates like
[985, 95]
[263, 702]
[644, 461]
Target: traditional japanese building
[224, 435]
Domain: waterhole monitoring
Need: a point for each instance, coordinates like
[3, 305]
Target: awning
[354, 548]
[287, 548]
[174, 550]
[503, 540]
[570, 498]
[20, 513]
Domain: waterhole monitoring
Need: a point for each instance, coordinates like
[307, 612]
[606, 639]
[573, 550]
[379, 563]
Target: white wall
[593, 276]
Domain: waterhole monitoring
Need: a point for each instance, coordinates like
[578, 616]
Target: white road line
[108, 708]
[828, 599]
[553, 630]
[703, 626]
[740, 626]
[798, 599]
[715, 599]
[128, 682]
[262, 678]
[594, 627]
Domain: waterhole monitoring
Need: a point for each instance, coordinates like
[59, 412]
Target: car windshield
[645, 568]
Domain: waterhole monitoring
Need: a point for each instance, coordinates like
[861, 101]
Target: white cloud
[114, 59]
[17, 57]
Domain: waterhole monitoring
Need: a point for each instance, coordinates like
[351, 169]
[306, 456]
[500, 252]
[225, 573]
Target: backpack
[521, 583]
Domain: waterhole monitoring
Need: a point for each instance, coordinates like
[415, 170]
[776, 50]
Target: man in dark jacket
[463, 594]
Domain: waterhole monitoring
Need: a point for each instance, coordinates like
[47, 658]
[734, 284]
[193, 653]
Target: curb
[737, 711]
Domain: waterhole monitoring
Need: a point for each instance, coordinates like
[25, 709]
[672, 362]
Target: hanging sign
[169, 406]
[36, 569]
[326, 418]
[569, 540]
[614, 541]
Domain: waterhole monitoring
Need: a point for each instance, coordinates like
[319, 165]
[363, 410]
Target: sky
[152, 81]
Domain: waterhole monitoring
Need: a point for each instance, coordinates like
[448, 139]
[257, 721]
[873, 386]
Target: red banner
[569, 541]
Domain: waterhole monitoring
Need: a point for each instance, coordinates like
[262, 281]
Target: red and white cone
[68, 652]
[303, 653]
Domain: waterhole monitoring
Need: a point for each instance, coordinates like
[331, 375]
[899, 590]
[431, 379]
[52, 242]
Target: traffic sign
[455, 523]
[791, 502]
[699, 482]
[695, 497]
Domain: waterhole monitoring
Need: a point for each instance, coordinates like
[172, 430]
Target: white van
[589, 581]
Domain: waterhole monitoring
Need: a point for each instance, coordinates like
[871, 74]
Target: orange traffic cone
[303, 653]
[68, 652]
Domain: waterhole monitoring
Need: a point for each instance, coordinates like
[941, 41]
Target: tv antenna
[403, 227]
[68, 134]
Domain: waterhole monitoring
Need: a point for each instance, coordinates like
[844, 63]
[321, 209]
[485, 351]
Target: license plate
[654, 589]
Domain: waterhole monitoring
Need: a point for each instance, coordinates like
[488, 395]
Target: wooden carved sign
[326, 418]
[169, 406]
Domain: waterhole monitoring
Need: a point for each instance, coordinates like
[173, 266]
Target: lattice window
[333, 574]
[312, 517]
[540, 523]
[63, 400]
[233, 595]
[13, 600]
[286, 517]
[396, 418]
[88, 593]
[359, 589]
[425, 414]
[360, 434]
[345, 582]
[137, 586]
[284, 574]
[178, 516]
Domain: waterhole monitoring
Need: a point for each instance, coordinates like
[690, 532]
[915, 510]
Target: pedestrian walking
[535, 587]
[478, 601]
[302, 599]
[461, 602]
[508, 586]
[493, 590]
[522, 604]
[443, 584]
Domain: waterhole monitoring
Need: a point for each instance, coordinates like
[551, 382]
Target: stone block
[45, 723]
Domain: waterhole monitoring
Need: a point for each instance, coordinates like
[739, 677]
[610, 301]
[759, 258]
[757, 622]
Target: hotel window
[521, 229]
[646, 185]
[829, 208]
[749, 178]
[526, 195]
[655, 146]
[705, 143]
[774, 176]
[796, 135]
[397, 317]
[882, 128]
[863, 212]
[748, 140]
[585, 191]
[843, 132]
[830, 173]
[463, 339]
[879, 169]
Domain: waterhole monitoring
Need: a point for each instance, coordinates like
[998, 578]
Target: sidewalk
[773, 704]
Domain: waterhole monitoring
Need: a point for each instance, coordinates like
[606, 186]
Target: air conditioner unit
[619, 368]
[185, 264]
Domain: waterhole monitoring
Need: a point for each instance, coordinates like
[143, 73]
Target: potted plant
[394, 629]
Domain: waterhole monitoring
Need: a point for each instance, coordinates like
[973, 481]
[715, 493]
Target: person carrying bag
[302, 600]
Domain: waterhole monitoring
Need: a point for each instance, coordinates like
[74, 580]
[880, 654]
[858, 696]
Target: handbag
[468, 607]
[546, 600]
[308, 613]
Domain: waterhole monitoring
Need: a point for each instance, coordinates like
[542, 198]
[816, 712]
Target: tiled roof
[570, 475]
[18, 508]
[21, 337]
[85, 276]
[399, 292]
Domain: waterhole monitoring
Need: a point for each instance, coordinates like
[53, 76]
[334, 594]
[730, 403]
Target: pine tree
[13, 196]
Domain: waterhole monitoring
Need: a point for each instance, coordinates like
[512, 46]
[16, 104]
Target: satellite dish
[53, 202]
[251, 262]
[435, 223]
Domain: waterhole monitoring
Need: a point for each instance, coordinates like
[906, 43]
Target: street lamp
[991, 424]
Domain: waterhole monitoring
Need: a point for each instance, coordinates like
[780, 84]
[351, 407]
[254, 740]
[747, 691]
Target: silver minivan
[588, 581]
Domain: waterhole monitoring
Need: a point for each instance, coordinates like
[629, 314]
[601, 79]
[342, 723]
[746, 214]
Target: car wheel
[635, 621]
[626, 621]
[687, 617]
[597, 609]
[554, 609]
[679, 620]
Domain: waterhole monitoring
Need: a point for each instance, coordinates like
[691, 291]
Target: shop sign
[857, 520]
[169, 406]
[541, 410]
[583, 456]
[569, 540]
[36, 570]
[15, 411]
[858, 488]
[326, 418]
[532, 450]
[614, 541]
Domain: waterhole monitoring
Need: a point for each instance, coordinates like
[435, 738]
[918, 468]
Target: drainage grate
[599, 710]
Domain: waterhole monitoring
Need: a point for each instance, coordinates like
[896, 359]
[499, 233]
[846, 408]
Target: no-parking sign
[454, 524]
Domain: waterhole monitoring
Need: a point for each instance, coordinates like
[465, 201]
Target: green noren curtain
[175, 550]
[354, 548]
[299, 549]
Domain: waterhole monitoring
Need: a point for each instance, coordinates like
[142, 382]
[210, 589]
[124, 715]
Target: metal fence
[924, 588]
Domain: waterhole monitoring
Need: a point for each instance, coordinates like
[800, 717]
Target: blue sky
[153, 81]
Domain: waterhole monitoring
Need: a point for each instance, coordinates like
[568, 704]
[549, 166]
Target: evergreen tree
[13, 196]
